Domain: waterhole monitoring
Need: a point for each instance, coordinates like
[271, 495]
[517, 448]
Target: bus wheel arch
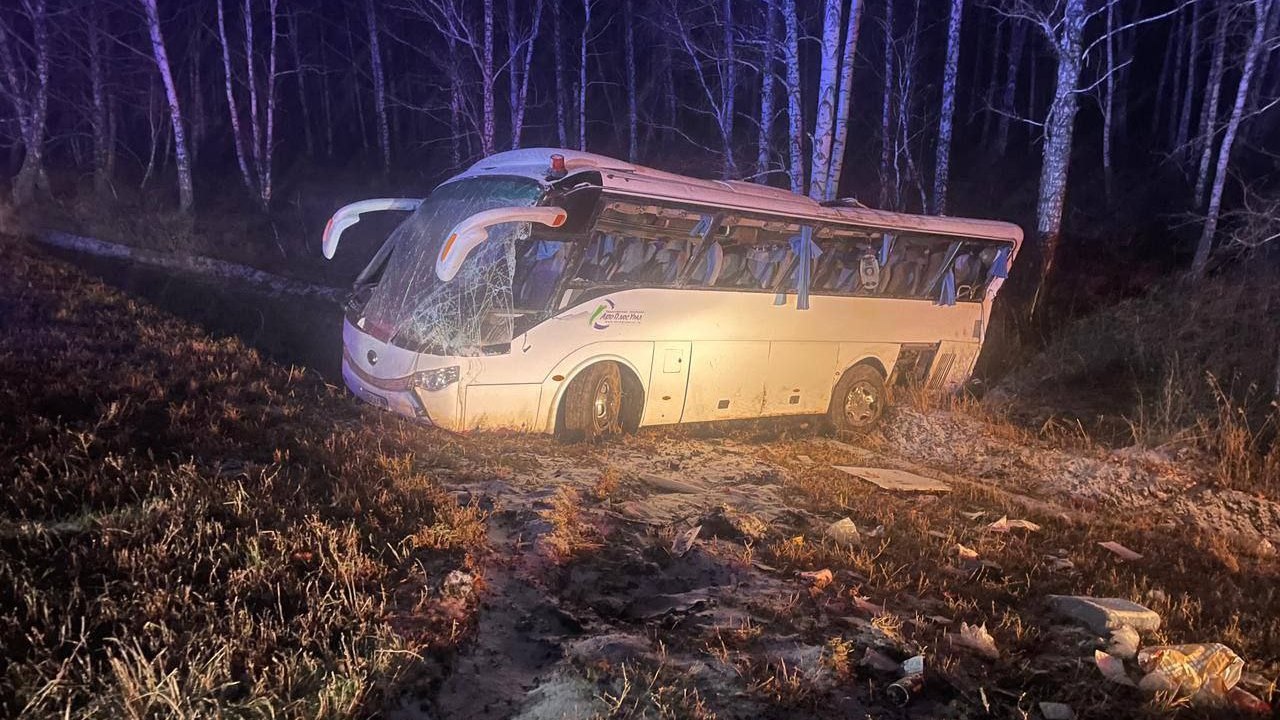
[859, 399]
[601, 398]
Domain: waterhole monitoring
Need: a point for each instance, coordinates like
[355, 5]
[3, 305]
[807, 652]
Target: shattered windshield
[414, 309]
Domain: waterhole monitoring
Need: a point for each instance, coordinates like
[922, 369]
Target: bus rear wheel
[592, 406]
[858, 401]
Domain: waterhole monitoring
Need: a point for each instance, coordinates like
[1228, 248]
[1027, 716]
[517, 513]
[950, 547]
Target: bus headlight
[438, 379]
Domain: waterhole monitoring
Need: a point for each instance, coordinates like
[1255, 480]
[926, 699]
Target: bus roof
[621, 177]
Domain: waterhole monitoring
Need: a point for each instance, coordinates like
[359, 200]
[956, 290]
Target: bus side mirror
[469, 233]
[349, 215]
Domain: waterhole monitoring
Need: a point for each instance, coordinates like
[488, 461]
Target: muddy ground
[589, 608]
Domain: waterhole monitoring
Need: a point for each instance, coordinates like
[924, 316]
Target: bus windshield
[471, 314]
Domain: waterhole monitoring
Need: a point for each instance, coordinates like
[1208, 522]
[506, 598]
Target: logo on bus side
[605, 315]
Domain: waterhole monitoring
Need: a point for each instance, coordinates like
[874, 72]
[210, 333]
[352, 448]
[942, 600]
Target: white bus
[556, 291]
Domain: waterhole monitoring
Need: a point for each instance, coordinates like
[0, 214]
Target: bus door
[668, 378]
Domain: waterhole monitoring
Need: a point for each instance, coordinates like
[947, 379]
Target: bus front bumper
[433, 407]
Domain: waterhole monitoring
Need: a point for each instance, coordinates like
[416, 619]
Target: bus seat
[541, 280]
[932, 269]
[630, 260]
[733, 268]
[709, 264]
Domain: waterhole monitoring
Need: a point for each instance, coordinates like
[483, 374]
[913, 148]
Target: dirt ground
[596, 598]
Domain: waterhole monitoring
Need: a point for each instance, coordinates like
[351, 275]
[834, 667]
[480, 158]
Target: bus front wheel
[593, 403]
[858, 401]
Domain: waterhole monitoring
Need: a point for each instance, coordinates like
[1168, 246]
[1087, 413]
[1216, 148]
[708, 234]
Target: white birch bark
[1189, 83]
[942, 164]
[102, 141]
[186, 194]
[795, 112]
[267, 154]
[520, 70]
[380, 82]
[1058, 134]
[1108, 103]
[633, 120]
[562, 130]
[768, 82]
[1261, 11]
[836, 163]
[251, 79]
[233, 107]
[1017, 41]
[824, 121]
[729, 86]
[886, 107]
[1209, 110]
[30, 99]
[582, 75]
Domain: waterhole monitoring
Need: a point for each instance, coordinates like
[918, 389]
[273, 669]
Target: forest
[198, 520]
[1156, 114]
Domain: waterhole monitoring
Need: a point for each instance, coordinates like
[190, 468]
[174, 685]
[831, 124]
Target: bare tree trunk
[1209, 109]
[729, 87]
[1261, 11]
[233, 107]
[582, 75]
[1017, 41]
[186, 195]
[993, 81]
[795, 113]
[1184, 115]
[1059, 129]
[768, 82]
[836, 165]
[942, 164]
[1108, 103]
[520, 89]
[251, 78]
[326, 101]
[295, 43]
[886, 108]
[828, 77]
[265, 172]
[102, 144]
[1162, 87]
[633, 120]
[32, 103]
[455, 108]
[380, 83]
[1179, 67]
[562, 129]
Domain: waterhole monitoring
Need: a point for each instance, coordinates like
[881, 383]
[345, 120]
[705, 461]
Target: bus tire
[592, 404]
[858, 401]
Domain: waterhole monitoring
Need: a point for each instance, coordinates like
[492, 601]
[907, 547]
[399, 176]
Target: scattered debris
[974, 515]
[1004, 525]
[966, 553]
[458, 584]
[913, 665]
[843, 531]
[804, 459]
[938, 534]
[1102, 615]
[658, 606]
[901, 691]
[977, 639]
[879, 662]
[876, 532]
[866, 606]
[685, 541]
[1057, 711]
[1205, 672]
[819, 579]
[1121, 551]
[1245, 701]
[895, 480]
[1112, 668]
[1059, 564]
[1124, 643]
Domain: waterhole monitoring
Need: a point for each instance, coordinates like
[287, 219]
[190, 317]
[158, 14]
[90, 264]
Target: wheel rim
[602, 406]
[861, 404]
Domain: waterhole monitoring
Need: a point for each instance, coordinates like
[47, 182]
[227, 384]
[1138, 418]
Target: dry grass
[188, 530]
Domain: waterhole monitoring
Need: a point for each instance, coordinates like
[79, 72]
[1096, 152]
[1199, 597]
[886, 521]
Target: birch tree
[886, 106]
[1257, 42]
[942, 165]
[100, 117]
[1189, 83]
[633, 120]
[836, 163]
[711, 63]
[25, 85]
[520, 59]
[1017, 41]
[255, 165]
[1209, 109]
[380, 82]
[186, 195]
[584, 39]
[768, 82]
[557, 49]
[828, 88]
[795, 111]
